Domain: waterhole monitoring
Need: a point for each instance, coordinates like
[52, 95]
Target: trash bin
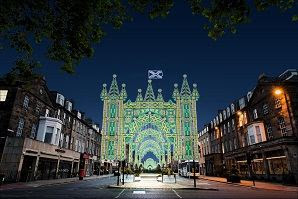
[81, 174]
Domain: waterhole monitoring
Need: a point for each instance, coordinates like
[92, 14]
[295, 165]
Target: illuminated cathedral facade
[149, 130]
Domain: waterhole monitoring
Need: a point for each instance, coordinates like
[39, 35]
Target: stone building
[263, 129]
[204, 148]
[36, 130]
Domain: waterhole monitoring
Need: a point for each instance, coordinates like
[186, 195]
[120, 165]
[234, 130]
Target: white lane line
[120, 194]
[176, 194]
[138, 192]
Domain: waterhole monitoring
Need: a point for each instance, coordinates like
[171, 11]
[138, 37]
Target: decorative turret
[104, 93]
[139, 96]
[195, 93]
[114, 91]
[123, 92]
[176, 94]
[185, 90]
[159, 96]
[149, 95]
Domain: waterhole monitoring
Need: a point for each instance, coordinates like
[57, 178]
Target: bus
[186, 169]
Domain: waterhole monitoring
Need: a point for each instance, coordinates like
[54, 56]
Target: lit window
[20, 127]
[282, 126]
[265, 109]
[224, 115]
[3, 94]
[242, 103]
[277, 103]
[258, 132]
[26, 102]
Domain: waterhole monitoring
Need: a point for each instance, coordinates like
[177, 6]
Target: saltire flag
[155, 74]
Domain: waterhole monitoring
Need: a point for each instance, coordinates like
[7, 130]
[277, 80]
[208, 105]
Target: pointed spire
[176, 94]
[159, 97]
[195, 93]
[114, 91]
[104, 93]
[185, 90]
[123, 92]
[149, 95]
[139, 96]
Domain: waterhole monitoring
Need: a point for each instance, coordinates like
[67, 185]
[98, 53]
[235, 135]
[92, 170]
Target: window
[269, 131]
[33, 131]
[47, 113]
[229, 128]
[235, 143]
[255, 113]
[242, 103]
[20, 127]
[233, 124]
[265, 109]
[232, 108]
[258, 133]
[252, 139]
[228, 112]
[26, 102]
[224, 129]
[277, 103]
[49, 134]
[3, 94]
[220, 117]
[38, 107]
[224, 115]
[282, 126]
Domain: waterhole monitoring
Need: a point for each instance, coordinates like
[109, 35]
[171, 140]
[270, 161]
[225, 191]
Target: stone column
[35, 167]
[57, 168]
[18, 174]
[266, 166]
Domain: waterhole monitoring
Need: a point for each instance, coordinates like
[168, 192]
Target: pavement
[153, 181]
[98, 188]
[249, 183]
[39, 183]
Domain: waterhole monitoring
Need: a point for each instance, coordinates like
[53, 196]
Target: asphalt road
[97, 188]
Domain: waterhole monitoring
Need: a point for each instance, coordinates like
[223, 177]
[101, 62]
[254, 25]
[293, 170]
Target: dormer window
[3, 95]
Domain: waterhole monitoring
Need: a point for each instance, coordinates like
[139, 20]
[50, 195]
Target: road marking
[138, 192]
[120, 194]
[176, 194]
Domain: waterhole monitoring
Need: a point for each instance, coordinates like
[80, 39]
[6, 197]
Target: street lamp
[278, 91]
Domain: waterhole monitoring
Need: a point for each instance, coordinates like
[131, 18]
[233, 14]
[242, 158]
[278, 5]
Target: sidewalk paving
[39, 183]
[249, 183]
[147, 182]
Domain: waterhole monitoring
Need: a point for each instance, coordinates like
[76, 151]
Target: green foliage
[167, 171]
[128, 171]
[71, 28]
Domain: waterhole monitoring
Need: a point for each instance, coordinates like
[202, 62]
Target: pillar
[35, 167]
[266, 166]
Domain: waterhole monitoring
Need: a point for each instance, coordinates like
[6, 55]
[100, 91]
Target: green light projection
[149, 131]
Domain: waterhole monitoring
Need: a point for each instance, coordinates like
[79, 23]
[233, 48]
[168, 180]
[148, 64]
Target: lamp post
[194, 164]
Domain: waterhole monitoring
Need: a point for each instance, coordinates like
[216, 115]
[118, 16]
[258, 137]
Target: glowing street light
[277, 91]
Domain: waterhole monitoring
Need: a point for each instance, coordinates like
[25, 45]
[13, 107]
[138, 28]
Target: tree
[70, 28]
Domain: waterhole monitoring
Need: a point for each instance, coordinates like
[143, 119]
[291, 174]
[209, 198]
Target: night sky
[224, 70]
